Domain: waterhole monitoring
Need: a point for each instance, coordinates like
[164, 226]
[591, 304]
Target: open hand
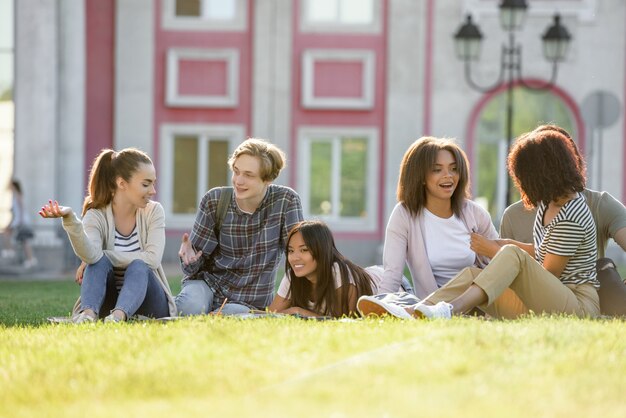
[53, 210]
[186, 253]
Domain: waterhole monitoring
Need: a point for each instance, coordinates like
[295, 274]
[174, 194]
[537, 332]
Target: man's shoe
[441, 310]
[369, 305]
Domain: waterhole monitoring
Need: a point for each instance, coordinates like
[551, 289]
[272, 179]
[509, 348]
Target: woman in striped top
[120, 239]
[557, 273]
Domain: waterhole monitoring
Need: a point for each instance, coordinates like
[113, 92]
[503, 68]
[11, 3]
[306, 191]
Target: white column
[405, 76]
[36, 96]
[71, 103]
[271, 80]
[134, 75]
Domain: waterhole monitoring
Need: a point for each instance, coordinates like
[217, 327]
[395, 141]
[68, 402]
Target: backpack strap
[222, 206]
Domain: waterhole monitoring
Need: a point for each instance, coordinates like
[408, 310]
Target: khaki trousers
[516, 284]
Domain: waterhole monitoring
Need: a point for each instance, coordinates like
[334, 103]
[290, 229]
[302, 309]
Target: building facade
[343, 86]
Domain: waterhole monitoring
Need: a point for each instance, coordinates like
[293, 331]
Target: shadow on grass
[29, 303]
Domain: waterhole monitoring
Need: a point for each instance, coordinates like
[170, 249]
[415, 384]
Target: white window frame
[174, 98]
[234, 134]
[366, 57]
[306, 135]
[308, 26]
[169, 20]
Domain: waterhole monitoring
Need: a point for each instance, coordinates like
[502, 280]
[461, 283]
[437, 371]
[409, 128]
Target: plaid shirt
[242, 265]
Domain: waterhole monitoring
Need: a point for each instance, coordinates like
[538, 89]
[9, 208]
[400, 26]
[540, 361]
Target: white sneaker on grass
[83, 318]
[369, 305]
[441, 310]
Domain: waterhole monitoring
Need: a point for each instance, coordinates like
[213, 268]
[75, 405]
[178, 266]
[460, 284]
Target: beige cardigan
[94, 237]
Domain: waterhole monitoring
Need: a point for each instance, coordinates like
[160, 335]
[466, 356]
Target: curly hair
[545, 166]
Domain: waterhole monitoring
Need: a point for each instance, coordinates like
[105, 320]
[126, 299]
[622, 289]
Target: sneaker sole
[418, 315]
[369, 308]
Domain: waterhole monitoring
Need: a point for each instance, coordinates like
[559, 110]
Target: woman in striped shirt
[557, 273]
[120, 239]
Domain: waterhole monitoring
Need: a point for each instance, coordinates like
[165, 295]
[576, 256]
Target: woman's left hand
[53, 210]
[483, 246]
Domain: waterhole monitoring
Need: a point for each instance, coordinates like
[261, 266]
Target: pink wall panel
[100, 81]
[338, 79]
[198, 78]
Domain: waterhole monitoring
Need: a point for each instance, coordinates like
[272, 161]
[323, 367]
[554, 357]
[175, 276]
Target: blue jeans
[141, 293]
[197, 298]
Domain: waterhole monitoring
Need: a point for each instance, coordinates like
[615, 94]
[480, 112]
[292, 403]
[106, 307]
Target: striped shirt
[242, 265]
[572, 233]
[124, 244]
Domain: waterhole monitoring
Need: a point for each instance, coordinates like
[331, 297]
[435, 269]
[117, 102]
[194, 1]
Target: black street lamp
[512, 15]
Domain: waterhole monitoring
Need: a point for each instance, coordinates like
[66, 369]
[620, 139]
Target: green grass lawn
[287, 367]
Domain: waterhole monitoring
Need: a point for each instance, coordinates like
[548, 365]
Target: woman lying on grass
[120, 239]
[319, 280]
[555, 275]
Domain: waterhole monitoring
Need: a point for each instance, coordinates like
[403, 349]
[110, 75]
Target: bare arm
[489, 247]
[555, 264]
[620, 238]
[279, 304]
[352, 299]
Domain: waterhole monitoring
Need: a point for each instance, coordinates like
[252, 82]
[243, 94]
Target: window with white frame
[193, 160]
[341, 16]
[337, 176]
[225, 15]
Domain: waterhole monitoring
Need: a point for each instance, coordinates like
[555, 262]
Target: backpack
[222, 206]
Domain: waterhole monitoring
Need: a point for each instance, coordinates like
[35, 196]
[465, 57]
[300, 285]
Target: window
[226, 15]
[337, 172]
[193, 160]
[340, 16]
[202, 78]
[489, 165]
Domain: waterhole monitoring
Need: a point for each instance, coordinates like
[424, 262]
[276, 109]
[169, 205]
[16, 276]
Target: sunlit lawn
[288, 367]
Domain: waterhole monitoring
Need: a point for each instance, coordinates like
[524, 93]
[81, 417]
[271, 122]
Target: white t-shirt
[375, 272]
[447, 245]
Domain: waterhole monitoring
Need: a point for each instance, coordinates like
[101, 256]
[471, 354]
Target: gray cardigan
[404, 244]
[94, 237]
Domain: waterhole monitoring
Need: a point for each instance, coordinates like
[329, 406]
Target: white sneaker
[113, 319]
[369, 305]
[83, 318]
[441, 310]
[30, 263]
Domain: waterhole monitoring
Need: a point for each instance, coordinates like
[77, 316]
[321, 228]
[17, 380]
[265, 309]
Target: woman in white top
[429, 230]
[120, 239]
[318, 279]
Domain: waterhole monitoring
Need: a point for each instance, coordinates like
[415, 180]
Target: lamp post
[512, 15]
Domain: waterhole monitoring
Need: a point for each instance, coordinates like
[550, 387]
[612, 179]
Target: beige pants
[517, 284]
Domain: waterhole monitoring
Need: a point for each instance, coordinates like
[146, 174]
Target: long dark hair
[327, 299]
[418, 160]
[106, 168]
